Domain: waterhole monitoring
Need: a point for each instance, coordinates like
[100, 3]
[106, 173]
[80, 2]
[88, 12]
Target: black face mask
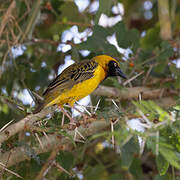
[114, 70]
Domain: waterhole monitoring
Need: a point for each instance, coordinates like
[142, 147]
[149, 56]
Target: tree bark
[53, 141]
[134, 92]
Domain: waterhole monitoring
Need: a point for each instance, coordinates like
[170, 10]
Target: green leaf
[128, 151]
[65, 159]
[165, 149]
[118, 176]
[162, 59]
[164, 177]
[162, 164]
[166, 51]
[64, 133]
[20, 7]
[153, 110]
[104, 7]
[98, 43]
[4, 108]
[177, 107]
[75, 53]
[169, 153]
[152, 38]
[126, 38]
[70, 13]
[176, 72]
[56, 37]
[136, 169]
[96, 173]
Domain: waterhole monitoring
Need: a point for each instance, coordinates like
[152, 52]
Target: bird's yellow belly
[80, 90]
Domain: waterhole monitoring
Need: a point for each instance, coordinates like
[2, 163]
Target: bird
[79, 80]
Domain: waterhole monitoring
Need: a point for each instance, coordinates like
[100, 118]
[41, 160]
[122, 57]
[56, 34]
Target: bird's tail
[39, 102]
[39, 107]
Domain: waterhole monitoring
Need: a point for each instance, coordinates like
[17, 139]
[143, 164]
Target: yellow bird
[79, 80]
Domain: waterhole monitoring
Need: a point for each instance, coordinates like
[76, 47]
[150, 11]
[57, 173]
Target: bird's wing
[71, 76]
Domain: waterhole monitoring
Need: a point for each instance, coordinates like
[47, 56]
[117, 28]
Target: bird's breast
[86, 87]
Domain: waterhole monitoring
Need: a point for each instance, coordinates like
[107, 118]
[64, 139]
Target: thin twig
[12, 172]
[6, 16]
[49, 163]
[131, 79]
[147, 74]
[59, 167]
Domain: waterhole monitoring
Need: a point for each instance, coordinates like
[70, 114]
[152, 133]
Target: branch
[134, 92]
[124, 94]
[7, 16]
[32, 20]
[23, 124]
[19, 154]
[76, 23]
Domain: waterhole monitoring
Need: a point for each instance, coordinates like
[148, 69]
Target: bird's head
[110, 65]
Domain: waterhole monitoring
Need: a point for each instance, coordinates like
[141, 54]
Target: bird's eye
[115, 64]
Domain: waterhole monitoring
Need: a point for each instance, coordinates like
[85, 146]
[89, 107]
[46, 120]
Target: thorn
[4, 127]
[47, 137]
[115, 105]
[72, 121]
[142, 147]
[80, 112]
[97, 105]
[84, 108]
[62, 122]
[77, 132]
[39, 140]
[115, 121]
[112, 138]
[59, 167]
[140, 96]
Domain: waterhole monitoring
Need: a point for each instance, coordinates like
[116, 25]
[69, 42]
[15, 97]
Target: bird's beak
[120, 73]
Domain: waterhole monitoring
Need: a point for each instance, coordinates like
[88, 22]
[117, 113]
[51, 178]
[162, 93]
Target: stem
[164, 19]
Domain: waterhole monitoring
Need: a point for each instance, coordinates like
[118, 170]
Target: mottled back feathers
[72, 75]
